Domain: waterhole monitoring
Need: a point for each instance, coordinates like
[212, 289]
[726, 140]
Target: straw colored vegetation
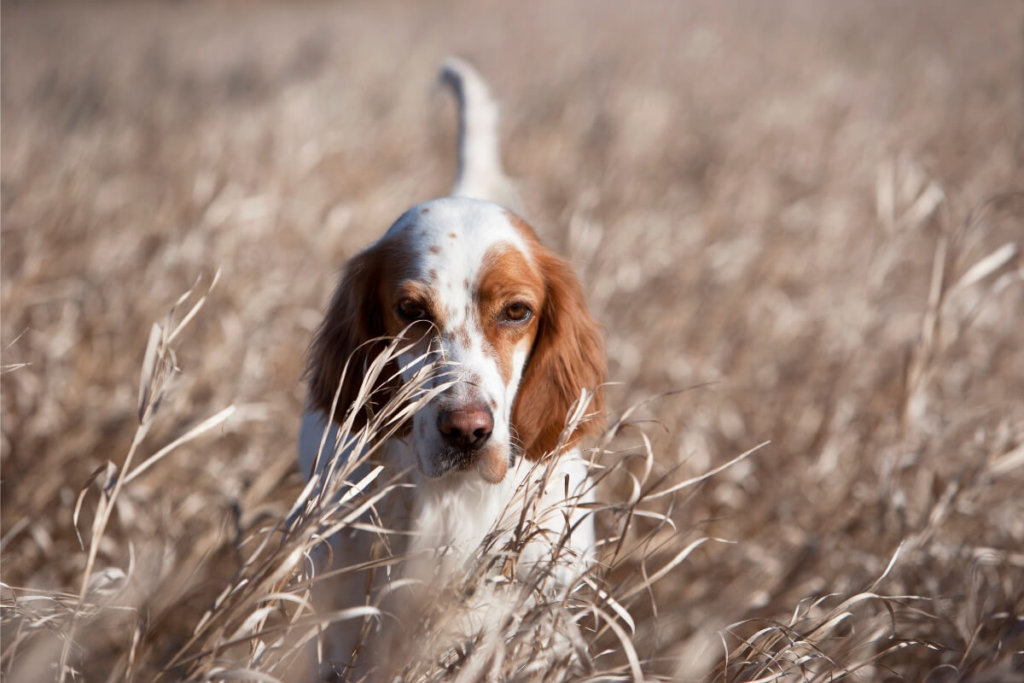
[798, 222]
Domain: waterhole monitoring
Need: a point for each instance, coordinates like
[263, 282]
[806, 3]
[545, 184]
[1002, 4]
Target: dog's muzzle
[466, 435]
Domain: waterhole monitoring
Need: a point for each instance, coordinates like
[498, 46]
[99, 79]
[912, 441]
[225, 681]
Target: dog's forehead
[451, 237]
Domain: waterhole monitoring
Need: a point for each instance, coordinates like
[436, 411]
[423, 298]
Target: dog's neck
[452, 514]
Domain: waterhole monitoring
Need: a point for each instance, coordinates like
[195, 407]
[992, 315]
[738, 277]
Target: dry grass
[806, 216]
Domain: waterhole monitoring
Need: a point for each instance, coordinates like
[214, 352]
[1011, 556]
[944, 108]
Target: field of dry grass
[798, 222]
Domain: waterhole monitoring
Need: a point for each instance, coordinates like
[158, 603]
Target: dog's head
[470, 287]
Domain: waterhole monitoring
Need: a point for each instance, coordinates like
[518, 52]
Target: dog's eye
[517, 312]
[410, 309]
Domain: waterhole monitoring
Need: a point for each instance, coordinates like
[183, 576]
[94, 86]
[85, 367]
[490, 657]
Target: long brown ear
[350, 333]
[567, 357]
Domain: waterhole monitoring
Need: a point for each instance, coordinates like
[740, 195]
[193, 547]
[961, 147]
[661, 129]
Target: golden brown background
[773, 205]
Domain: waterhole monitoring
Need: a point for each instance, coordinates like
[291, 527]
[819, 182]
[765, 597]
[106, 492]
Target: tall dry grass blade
[696, 480]
[200, 429]
[240, 675]
[1007, 462]
[987, 266]
[196, 307]
[888, 568]
[148, 372]
[157, 365]
[626, 643]
[666, 568]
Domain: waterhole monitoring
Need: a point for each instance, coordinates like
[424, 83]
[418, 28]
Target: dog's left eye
[517, 312]
[410, 310]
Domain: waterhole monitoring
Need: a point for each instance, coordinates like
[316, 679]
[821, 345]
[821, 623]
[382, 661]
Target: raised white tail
[480, 173]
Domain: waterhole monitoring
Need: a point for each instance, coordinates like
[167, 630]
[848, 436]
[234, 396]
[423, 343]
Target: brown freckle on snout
[434, 249]
[424, 211]
[452, 235]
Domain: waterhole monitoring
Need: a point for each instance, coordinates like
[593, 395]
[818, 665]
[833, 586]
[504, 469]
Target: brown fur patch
[567, 356]
[507, 277]
[492, 467]
[524, 229]
[461, 335]
[363, 309]
[359, 311]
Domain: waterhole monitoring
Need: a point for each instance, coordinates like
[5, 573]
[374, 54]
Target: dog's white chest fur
[451, 516]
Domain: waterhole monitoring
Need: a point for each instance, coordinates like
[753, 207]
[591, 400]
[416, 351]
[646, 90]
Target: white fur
[480, 172]
[450, 514]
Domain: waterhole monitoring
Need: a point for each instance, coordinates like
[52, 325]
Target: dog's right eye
[410, 310]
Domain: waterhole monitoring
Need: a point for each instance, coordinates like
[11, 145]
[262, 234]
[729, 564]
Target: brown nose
[467, 428]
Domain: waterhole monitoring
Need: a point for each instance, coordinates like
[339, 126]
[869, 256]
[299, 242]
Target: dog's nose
[467, 428]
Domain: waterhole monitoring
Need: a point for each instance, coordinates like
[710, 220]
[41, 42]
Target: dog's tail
[480, 173]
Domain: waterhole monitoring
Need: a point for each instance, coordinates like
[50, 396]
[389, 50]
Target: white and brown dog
[468, 287]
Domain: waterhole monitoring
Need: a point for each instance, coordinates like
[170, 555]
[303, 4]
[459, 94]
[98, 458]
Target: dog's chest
[454, 514]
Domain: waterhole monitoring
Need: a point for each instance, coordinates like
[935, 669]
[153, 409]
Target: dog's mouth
[457, 459]
[491, 463]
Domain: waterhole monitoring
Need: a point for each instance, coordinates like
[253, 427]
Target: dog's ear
[352, 333]
[567, 357]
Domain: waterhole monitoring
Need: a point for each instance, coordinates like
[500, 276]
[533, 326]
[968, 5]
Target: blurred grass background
[776, 206]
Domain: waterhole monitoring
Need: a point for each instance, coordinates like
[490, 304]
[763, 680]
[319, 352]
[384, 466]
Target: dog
[494, 327]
